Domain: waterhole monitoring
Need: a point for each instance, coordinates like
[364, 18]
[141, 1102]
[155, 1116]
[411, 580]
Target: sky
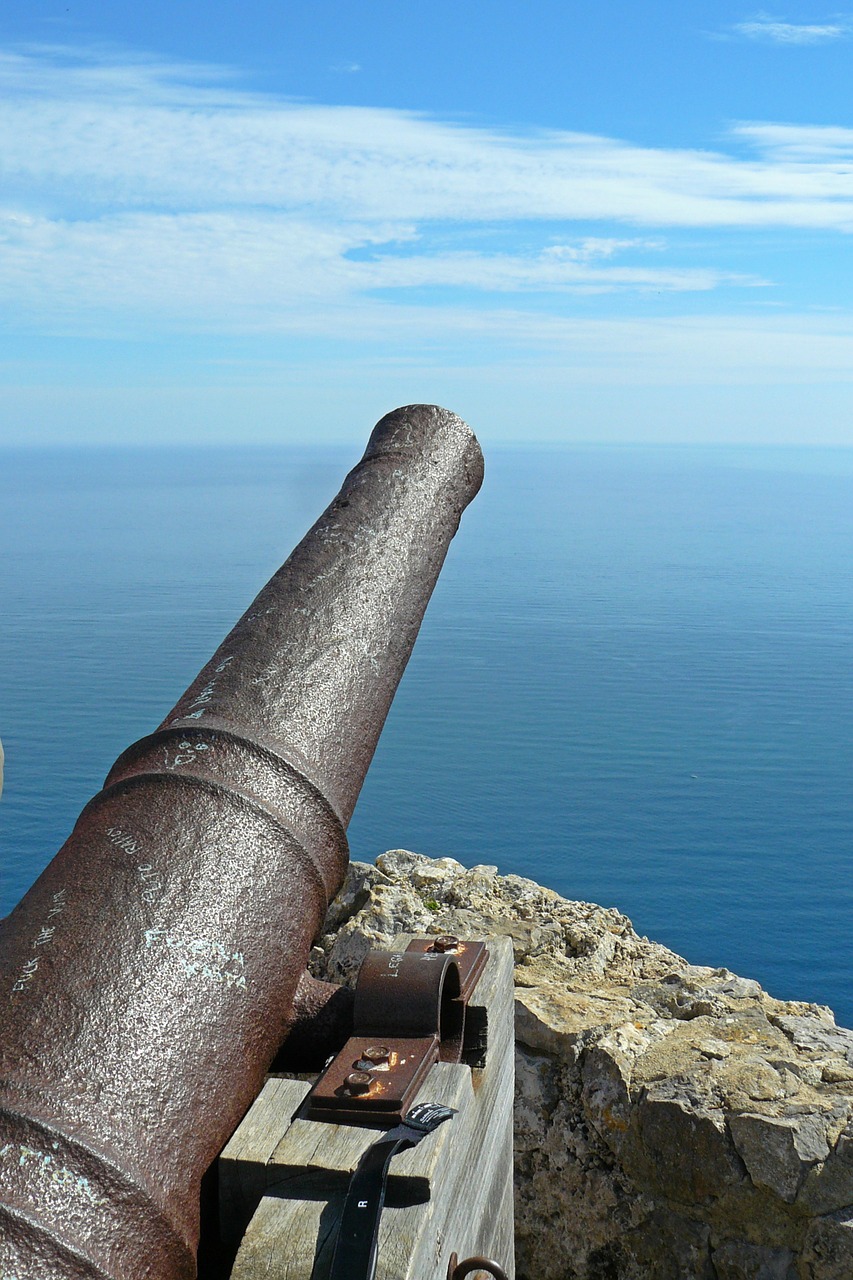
[570, 223]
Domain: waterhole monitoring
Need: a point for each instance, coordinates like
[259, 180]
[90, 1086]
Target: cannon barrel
[151, 972]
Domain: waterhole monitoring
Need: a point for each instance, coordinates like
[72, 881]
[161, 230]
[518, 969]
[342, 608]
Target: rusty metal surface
[407, 1014]
[149, 975]
[457, 1270]
[352, 1088]
[410, 993]
[322, 1022]
[470, 957]
[409, 1011]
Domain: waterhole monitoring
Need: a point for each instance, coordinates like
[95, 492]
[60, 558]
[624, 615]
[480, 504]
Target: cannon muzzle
[151, 973]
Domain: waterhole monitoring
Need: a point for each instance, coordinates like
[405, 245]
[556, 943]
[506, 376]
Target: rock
[779, 1151]
[666, 1245]
[606, 1093]
[353, 895]
[828, 1250]
[817, 1033]
[672, 1122]
[681, 1150]
[739, 1260]
[549, 1018]
[827, 1187]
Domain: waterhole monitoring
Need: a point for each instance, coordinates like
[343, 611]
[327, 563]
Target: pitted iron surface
[150, 974]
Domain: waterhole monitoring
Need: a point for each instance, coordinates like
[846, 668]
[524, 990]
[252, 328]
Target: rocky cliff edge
[671, 1121]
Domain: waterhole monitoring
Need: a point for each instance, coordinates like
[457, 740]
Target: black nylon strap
[356, 1246]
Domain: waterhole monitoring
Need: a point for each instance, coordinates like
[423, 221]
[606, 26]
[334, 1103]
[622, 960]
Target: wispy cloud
[764, 27]
[139, 136]
[816, 146]
[137, 190]
[250, 271]
[592, 247]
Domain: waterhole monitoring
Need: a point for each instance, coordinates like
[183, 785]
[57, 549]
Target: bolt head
[447, 942]
[377, 1053]
[358, 1082]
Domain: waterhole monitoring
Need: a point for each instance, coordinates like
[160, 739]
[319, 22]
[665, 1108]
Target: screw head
[447, 942]
[377, 1053]
[358, 1082]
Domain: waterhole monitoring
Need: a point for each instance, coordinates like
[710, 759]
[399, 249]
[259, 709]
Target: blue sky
[273, 222]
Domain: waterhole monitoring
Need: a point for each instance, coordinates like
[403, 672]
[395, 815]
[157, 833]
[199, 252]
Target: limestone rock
[672, 1122]
[779, 1151]
[828, 1251]
[738, 1260]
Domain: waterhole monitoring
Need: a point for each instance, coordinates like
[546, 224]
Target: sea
[633, 684]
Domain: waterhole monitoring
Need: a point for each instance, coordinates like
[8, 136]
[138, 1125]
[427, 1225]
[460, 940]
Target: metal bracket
[470, 958]
[457, 1270]
[409, 1013]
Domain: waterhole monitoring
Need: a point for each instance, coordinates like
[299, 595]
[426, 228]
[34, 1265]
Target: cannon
[153, 970]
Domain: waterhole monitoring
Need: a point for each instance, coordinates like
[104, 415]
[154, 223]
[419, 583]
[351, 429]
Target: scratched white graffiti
[56, 1173]
[186, 753]
[58, 903]
[152, 885]
[204, 697]
[201, 957]
[43, 938]
[257, 613]
[28, 972]
[123, 840]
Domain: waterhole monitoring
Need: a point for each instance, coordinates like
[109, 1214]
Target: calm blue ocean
[633, 682]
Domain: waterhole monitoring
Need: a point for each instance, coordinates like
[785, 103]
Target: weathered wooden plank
[451, 1193]
[244, 1171]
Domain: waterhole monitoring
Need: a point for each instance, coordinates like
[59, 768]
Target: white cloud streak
[141, 193]
[242, 271]
[763, 27]
[801, 146]
[87, 138]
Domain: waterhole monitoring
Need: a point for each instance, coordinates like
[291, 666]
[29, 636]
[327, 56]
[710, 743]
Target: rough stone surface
[671, 1121]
